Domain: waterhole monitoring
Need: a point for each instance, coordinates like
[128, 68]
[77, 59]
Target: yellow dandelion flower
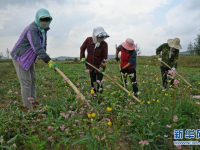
[109, 123]
[156, 89]
[93, 115]
[151, 73]
[92, 91]
[166, 94]
[143, 81]
[109, 109]
[148, 102]
[158, 101]
[129, 94]
[157, 79]
[154, 100]
[169, 81]
[89, 115]
[190, 88]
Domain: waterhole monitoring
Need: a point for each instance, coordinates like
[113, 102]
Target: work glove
[174, 69]
[101, 70]
[52, 65]
[160, 59]
[117, 59]
[83, 60]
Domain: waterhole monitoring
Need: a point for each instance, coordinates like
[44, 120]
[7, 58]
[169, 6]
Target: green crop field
[114, 121]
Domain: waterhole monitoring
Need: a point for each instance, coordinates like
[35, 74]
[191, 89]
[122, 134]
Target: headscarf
[98, 32]
[39, 14]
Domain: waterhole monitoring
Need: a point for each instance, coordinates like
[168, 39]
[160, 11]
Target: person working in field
[97, 50]
[128, 62]
[32, 43]
[170, 54]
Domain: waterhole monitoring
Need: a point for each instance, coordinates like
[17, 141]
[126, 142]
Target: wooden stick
[122, 75]
[177, 74]
[114, 82]
[120, 69]
[74, 88]
[70, 83]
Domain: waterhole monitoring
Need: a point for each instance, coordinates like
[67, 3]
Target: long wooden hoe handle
[70, 83]
[122, 77]
[177, 74]
[114, 82]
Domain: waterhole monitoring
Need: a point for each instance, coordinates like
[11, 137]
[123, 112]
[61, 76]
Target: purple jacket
[29, 46]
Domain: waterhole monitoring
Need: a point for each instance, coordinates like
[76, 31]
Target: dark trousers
[127, 72]
[94, 76]
[164, 73]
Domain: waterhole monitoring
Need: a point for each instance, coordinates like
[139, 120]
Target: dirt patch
[3, 105]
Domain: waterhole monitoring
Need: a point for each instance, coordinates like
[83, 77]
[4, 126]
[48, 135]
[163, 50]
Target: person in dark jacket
[31, 43]
[97, 50]
[170, 54]
[128, 62]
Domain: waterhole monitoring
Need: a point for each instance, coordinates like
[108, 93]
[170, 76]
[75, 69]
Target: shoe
[36, 103]
[31, 107]
[136, 94]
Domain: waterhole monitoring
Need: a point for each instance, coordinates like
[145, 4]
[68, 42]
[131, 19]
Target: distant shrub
[75, 60]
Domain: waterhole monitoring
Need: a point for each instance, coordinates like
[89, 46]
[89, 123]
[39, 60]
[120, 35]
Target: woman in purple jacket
[31, 43]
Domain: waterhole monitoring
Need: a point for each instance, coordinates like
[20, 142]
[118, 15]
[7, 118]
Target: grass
[56, 124]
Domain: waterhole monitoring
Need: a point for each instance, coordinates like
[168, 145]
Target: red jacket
[95, 56]
[125, 59]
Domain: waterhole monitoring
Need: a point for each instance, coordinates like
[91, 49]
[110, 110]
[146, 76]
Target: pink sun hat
[129, 44]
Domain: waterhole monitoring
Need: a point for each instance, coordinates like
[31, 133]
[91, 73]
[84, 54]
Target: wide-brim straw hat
[129, 44]
[174, 43]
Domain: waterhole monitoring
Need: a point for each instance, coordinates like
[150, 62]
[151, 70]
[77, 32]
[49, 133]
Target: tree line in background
[137, 48]
[194, 48]
[7, 54]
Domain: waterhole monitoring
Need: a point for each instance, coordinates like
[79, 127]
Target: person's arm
[45, 47]
[116, 54]
[126, 66]
[34, 39]
[159, 50]
[83, 48]
[176, 59]
[118, 49]
[132, 59]
[105, 56]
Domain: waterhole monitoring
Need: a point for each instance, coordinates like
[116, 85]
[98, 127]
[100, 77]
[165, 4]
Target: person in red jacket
[97, 50]
[128, 62]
